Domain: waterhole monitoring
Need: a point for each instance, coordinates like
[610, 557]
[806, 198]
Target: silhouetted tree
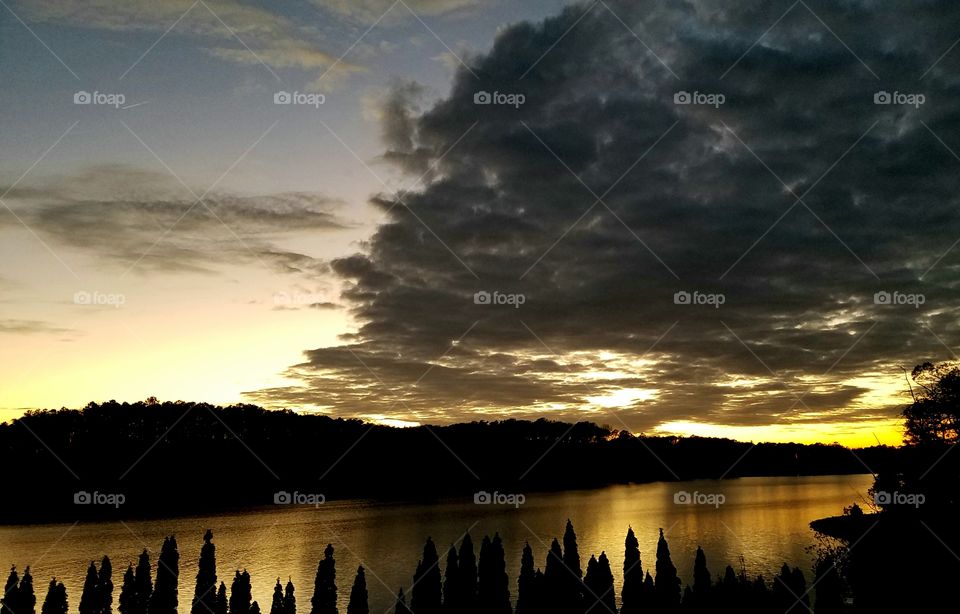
[574, 576]
[467, 573]
[240, 593]
[289, 600]
[493, 586]
[599, 595]
[127, 603]
[9, 599]
[630, 594]
[26, 599]
[829, 589]
[205, 593]
[648, 596]
[401, 607]
[701, 581]
[56, 599]
[554, 580]
[222, 604]
[790, 590]
[164, 598]
[526, 583]
[451, 581]
[425, 594]
[324, 600]
[105, 587]
[276, 606]
[143, 583]
[667, 583]
[89, 600]
[358, 594]
[254, 608]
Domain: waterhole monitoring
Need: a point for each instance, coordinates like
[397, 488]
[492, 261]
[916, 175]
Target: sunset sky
[185, 236]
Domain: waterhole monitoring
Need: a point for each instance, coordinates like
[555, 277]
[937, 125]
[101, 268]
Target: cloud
[30, 327]
[128, 216]
[695, 204]
[229, 30]
[372, 9]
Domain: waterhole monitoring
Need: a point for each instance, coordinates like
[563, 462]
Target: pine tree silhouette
[667, 583]
[144, 584]
[701, 581]
[451, 582]
[9, 599]
[205, 593]
[324, 600]
[555, 580]
[526, 583]
[289, 600]
[56, 599]
[401, 607]
[358, 594]
[89, 600]
[164, 599]
[127, 603]
[630, 594]
[276, 606]
[574, 577]
[240, 593]
[105, 587]
[599, 596]
[493, 592]
[26, 599]
[467, 573]
[222, 605]
[425, 594]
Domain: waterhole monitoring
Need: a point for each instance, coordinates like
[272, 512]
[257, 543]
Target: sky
[711, 218]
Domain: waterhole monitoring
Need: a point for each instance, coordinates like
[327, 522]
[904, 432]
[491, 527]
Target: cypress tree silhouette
[630, 594]
[425, 594]
[26, 600]
[289, 600]
[89, 600]
[240, 593]
[667, 583]
[205, 593]
[9, 599]
[799, 585]
[127, 603]
[493, 590]
[105, 587]
[56, 600]
[648, 596]
[276, 606]
[401, 607]
[222, 603]
[573, 579]
[451, 581]
[324, 600]
[526, 583]
[554, 580]
[143, 583]
[599, 595]
[358, 594]
[701, 581]
[254, 608]
[467, 574]
[164, 598]
[829, 589]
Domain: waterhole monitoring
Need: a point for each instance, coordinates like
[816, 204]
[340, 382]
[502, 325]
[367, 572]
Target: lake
[763, 519]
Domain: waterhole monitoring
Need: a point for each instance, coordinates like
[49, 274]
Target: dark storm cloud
[797, 199]
[130, 217]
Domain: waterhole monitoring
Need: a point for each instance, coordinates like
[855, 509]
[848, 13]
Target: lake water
[764, 519]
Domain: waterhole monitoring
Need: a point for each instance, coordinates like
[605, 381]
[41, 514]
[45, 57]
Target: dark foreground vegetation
[463, 584]
[161, 458]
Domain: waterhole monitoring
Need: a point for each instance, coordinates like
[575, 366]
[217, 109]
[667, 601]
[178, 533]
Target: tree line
[60, 452]
[468, 583]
